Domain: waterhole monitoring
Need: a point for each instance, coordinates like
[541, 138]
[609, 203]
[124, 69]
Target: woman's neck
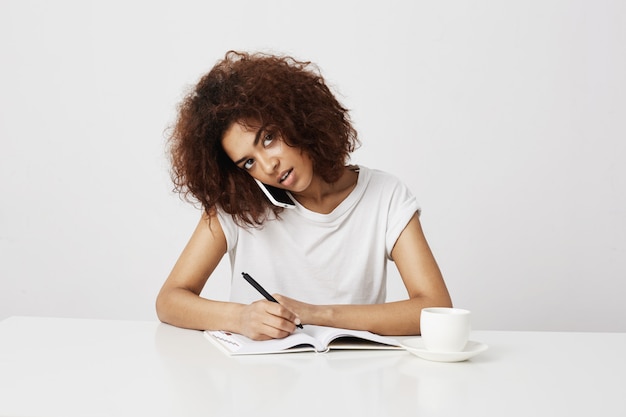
[323, 197]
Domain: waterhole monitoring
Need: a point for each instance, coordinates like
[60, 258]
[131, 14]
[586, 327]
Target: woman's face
[263, 153]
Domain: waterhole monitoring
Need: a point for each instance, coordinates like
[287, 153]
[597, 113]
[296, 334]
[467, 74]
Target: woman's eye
[267, 139]
[248, 164]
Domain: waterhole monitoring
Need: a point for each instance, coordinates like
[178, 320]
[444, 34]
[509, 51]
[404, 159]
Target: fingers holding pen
[302, 311]
[289, 305]
[283, 313]
[264, 320]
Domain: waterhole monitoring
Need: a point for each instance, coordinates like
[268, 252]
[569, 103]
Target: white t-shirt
[335, 258]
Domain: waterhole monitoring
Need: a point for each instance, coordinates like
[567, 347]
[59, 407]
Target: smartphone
[277, 196]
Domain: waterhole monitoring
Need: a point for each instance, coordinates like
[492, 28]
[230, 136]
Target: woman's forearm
[394, 318]
[183, 308]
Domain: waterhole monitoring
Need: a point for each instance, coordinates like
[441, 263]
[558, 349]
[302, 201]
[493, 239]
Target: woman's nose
[269, 164]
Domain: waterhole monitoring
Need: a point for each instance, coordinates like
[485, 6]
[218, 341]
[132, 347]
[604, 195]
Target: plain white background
[506, 119]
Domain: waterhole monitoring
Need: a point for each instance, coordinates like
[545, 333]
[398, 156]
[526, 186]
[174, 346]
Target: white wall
[507, 119]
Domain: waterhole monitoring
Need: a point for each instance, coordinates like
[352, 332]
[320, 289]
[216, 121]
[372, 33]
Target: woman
[274, 119]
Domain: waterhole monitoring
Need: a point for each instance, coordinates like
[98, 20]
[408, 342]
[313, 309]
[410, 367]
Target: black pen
[264, 293]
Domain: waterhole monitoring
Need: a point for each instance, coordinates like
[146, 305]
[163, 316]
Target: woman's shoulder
[384, 186]
[377, 176]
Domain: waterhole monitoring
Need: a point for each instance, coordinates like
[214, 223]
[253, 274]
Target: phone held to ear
[277, 196]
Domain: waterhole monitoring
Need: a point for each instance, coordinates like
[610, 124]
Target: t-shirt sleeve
[229, 227]
[402, 206]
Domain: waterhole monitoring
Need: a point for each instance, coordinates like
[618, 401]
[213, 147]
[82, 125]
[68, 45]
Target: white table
[74, 367]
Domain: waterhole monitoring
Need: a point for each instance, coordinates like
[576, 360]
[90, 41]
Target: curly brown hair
[263, 89]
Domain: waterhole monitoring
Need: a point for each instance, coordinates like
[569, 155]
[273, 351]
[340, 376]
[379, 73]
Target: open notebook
[310, 338]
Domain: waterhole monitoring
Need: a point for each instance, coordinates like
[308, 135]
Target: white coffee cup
[445, 329]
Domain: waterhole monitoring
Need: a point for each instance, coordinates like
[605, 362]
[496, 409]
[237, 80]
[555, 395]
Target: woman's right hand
[264, 320]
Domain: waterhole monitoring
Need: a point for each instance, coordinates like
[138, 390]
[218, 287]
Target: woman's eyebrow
[257, 136]
[241, 160]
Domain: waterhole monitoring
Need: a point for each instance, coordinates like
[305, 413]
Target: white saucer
[416, 347]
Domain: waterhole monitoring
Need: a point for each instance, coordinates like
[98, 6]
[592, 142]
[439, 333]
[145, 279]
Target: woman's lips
[285, 178]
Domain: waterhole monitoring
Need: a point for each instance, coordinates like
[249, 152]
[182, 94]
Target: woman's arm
[179, 302]
[422, 279]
